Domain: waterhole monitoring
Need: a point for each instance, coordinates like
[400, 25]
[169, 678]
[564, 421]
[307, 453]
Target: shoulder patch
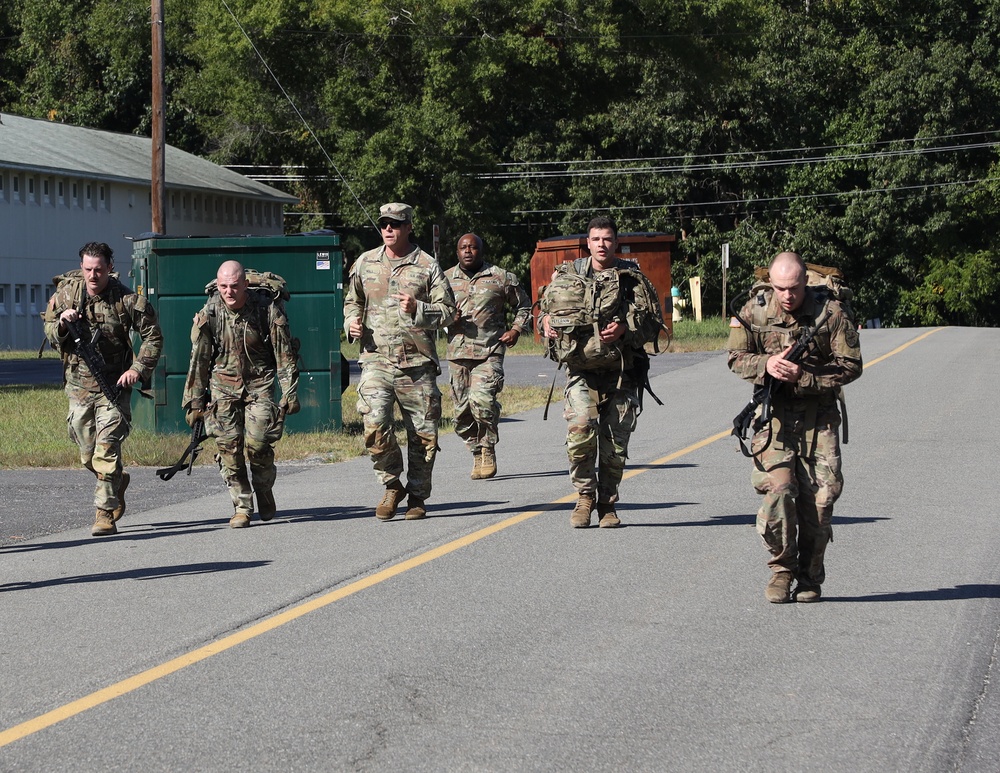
[733, 322]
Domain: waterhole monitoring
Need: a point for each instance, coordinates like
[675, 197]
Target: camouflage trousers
[245, 430]
[415, 390]
[475, 385]
[99, 428]
[800, 485]
[601, 419]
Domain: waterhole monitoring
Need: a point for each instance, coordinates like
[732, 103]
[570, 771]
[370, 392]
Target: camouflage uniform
[799, 472]
[96, 426]
[475, 350]
[238, 355]
[602, 409]
[399, 362]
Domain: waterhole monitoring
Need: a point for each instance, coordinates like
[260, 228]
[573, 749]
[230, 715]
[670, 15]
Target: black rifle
[763, 394]
[198, 436]
[94, 359]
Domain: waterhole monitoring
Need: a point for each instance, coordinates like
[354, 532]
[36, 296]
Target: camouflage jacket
[116, 312]
[235, 354]
[833, 360]
[483, 300]
[390, 336]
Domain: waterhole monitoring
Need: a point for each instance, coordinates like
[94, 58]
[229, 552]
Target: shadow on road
[958, 593]
[151, 573]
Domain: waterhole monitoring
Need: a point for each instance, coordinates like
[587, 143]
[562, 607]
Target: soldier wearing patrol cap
[396, 297]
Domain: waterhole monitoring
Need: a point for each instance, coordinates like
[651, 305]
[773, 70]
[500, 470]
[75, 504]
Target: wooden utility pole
[159, 132]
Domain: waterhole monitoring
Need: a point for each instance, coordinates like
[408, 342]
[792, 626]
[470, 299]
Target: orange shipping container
[652, 251]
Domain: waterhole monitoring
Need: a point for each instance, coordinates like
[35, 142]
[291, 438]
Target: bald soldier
[478, 338]
[240, 346]
[797, 457]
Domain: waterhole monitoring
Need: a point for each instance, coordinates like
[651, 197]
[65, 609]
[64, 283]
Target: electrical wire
[299, 114]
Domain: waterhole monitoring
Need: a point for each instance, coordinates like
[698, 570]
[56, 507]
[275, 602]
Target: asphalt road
[492, 637]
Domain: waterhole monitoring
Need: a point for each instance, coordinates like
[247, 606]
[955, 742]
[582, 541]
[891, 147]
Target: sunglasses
[394, 224]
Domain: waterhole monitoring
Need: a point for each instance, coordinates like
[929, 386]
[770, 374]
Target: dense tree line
[860, 132]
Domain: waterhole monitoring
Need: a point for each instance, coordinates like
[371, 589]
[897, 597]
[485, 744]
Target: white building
[63, 186]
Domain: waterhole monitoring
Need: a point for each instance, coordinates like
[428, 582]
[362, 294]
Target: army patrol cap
[396, 211]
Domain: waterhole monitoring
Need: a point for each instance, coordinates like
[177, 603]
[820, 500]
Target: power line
[726, 166]
[687, 156]
[728, 202]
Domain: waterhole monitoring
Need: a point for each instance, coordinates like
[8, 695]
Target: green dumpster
[173, 272]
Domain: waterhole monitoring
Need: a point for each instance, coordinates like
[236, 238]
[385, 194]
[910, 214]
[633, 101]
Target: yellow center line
[133, 683]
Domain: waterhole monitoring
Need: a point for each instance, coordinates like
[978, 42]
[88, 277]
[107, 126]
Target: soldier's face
[96, 273]
[470, 252]
[789, 283]
[395, 235]
[232, 290]
[602, 244]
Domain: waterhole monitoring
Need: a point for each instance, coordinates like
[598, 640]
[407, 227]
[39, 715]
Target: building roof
[46, 147]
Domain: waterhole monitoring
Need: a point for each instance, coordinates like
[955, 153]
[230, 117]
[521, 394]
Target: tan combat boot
[581, 513]
[608, 518]
[119, 511]
[415, 509]
[104, 524]
[386, 509]
[477, 464]
[778, 588]
[239, 521]
[807, 594]
[489, 466]
[266, 506]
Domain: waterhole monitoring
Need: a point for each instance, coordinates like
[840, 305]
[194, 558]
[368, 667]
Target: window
[18, 293]
[76, 194]
[102, 197]
[33, 299]
[15, 186]
[87, 189]
[61, 191]
[3, 300]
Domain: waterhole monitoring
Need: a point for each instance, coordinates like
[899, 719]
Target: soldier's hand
[510, 337]
[406, 302]
[782, 369]
[291, 405]
[547, 331]
[354, 329]
[193, 414]
[128, 378]
[613, 332]
[70, 315]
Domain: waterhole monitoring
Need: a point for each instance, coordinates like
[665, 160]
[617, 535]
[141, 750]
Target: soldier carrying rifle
[88, 321]
[796, 452]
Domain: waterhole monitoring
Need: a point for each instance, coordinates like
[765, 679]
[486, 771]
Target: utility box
[652, 251]
[172, 274]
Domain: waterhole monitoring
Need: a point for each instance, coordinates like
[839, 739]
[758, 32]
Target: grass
[34, 417]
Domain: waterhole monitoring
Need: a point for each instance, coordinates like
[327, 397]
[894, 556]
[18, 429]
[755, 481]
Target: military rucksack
[578, 306]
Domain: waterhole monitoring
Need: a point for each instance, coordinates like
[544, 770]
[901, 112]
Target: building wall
[45, 219]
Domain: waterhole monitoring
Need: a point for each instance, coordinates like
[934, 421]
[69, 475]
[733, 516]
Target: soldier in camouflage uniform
[396, 297]
[797, 457]
[240, 345]
[477, 341]
[601, 406]
[94, 296]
